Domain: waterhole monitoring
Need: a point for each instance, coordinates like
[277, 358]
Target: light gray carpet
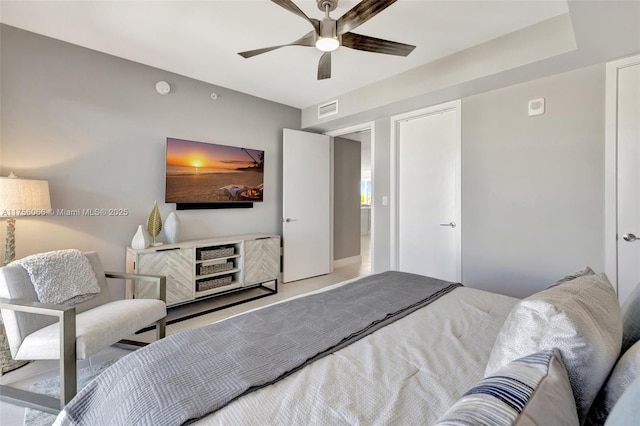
[51, 386]
[6, 362]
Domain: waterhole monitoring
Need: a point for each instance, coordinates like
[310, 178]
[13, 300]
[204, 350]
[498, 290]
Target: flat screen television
[208, 175]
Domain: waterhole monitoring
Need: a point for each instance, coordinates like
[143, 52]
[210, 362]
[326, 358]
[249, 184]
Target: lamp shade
[23, 197]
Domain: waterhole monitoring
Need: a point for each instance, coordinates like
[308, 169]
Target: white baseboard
[347, 261]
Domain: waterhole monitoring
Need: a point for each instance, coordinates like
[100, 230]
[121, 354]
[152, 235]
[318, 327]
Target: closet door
[628, 179]
[428, 145]
[622, 175]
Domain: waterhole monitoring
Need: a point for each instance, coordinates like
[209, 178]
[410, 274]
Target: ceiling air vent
[330, 108]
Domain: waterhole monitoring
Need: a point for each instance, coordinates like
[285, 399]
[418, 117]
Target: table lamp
[21, 197]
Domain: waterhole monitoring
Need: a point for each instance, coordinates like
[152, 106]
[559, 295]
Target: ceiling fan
[328, 34]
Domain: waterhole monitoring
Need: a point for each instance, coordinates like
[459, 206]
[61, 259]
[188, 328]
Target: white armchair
[37, 331]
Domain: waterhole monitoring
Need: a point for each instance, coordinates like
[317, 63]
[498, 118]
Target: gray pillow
[533, 390]
[631, 319]
[625, 412]
[627, 369]
[581, 318]
[585, 271]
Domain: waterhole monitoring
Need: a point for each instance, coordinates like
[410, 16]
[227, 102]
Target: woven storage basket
[215, 268]
[214, 283]
[216, 253]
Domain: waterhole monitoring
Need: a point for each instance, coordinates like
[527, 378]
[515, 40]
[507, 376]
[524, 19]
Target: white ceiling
[200, 39]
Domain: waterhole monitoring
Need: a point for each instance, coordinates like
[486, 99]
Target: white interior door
[306, 210]
[628, 179]
[428, 192]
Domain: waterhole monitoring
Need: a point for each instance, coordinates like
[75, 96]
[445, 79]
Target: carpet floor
[51, 386]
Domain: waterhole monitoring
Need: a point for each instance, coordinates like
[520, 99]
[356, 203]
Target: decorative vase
[154, 223]
[172, 228]
[140, 239]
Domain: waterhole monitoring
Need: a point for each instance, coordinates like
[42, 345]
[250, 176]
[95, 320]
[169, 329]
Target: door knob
[451, 224]
[630, 237]
[289, 220]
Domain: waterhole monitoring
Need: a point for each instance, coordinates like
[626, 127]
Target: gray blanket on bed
[193, 373]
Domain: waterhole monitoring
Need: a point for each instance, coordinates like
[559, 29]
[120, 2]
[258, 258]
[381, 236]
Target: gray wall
[94, 126]
[346, 198]
[533, 187]
[469, 66]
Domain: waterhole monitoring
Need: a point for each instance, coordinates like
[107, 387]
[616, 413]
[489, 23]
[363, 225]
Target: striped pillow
[534, 389]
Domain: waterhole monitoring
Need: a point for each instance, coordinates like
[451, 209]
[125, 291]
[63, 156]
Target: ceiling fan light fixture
[327, 44]
[328, 35]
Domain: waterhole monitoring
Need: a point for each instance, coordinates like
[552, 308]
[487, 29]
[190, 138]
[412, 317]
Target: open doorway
[366, 194]
[353, 190]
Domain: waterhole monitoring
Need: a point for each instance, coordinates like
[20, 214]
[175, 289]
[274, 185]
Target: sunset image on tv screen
[198, 172]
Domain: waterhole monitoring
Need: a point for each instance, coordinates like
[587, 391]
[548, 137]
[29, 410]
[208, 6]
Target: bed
[458, 356]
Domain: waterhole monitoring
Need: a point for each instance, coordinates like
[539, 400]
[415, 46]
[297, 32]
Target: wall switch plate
[385, 200]
[536, 107]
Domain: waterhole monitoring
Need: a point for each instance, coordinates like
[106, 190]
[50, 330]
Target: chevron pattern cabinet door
[261, 260]
[177, 266]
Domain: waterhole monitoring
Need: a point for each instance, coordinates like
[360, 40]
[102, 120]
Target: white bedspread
[407, 373]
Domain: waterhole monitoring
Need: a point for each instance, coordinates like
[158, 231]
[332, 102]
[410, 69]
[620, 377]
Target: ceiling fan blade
[291, 7]
[308, 39]
[324, 67]
[361, 13]
[252, 53]
[376, 45]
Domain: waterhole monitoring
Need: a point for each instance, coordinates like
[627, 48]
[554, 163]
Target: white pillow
[581, 318]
